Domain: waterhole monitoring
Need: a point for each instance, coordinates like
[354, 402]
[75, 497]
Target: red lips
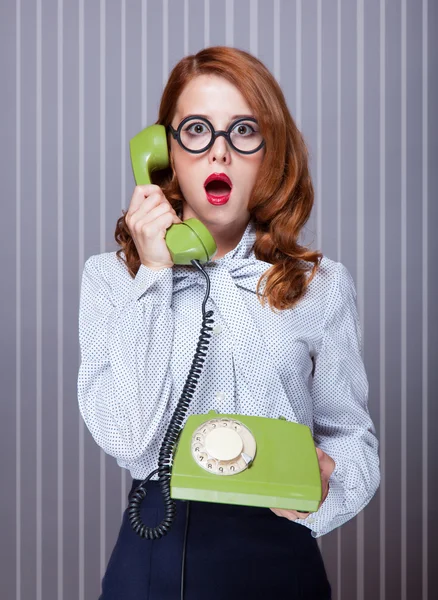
[218, 194]
[218, 177]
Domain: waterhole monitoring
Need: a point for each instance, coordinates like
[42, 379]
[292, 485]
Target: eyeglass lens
[196, 135]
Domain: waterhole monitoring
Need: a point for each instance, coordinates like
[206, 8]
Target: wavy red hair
[283, 195]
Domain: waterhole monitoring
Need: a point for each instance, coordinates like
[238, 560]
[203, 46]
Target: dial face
[223, 446]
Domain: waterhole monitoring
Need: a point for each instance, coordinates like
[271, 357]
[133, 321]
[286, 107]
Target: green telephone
[271, 462]
[225, 458]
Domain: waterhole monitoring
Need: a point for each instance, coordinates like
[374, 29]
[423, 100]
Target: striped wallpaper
[78, 79]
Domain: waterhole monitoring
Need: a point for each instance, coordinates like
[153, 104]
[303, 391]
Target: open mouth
[218, 188]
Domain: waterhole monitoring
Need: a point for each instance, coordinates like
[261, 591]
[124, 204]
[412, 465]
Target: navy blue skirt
[232, 552]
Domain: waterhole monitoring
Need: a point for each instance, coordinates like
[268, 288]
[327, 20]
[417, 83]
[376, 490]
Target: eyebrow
[210, 118]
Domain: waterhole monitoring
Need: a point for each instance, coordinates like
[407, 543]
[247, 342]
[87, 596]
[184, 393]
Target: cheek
[183, 169]
[179, 160]
[251, 172]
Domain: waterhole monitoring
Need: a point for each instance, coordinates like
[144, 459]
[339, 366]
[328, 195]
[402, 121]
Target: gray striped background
[78, 79]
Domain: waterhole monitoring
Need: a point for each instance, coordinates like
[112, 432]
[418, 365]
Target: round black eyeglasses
[196, 134]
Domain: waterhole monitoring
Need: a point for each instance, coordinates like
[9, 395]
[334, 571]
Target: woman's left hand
[326, 468]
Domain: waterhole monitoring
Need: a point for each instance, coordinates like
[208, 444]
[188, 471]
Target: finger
[154, 228]
[320, 453]
[147, 204]
[323, 457]
[140, 193]
[326, 463]
[291, 515]
[157, 211]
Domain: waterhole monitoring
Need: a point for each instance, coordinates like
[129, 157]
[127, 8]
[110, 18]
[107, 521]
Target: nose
[220, 151]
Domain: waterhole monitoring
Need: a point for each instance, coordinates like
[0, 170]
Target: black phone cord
[171, 437]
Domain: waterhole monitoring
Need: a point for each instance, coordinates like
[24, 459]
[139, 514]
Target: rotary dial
[223, 446]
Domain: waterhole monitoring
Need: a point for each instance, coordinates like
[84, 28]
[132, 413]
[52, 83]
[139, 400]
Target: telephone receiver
[185, 241]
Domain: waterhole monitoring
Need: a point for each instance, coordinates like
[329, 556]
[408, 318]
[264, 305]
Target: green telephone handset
[225, 458]
[188, 240]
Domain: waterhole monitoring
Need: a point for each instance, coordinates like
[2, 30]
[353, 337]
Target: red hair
[282, 197]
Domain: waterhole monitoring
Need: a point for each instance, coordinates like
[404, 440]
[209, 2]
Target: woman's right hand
[149, 215]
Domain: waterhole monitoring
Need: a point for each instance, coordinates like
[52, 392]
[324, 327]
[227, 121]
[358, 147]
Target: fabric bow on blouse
[227, 275]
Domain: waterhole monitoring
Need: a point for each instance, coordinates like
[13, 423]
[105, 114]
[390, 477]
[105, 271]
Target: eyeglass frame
[176, 134]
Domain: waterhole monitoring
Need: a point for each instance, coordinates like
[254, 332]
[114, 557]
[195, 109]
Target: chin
[223, 215]
[221, 218]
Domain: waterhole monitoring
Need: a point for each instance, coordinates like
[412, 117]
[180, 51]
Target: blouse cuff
[332, 512]
[149, 282]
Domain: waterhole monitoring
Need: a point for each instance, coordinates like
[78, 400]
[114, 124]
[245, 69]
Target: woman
[286, 340]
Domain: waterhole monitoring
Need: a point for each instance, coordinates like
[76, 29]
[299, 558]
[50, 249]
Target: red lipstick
[221, 195]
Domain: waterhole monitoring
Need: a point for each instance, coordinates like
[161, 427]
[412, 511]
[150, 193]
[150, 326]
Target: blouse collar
[244, 247]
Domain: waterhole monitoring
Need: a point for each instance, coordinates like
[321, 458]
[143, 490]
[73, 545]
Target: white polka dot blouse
[138, 338]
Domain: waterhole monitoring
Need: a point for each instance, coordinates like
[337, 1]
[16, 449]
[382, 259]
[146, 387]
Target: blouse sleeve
[342, 424]
[124, 382]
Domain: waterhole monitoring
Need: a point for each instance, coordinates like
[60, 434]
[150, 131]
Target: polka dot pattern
[138, 338]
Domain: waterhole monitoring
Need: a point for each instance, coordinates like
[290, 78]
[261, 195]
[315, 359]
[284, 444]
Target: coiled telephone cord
[171, 437]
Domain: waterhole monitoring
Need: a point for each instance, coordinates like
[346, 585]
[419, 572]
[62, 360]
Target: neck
[226, 238]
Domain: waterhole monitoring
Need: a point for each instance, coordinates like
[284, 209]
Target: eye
[197, 128]
[244, 129]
